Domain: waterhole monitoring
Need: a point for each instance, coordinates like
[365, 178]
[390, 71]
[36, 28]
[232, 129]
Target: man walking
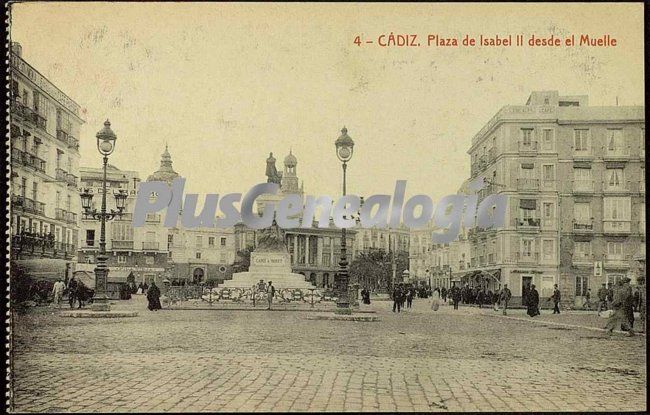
[455, 296]
[72, 290]
[57, 290]
[628, 306]
[618, 318]
[587, 302]
[602, 298]
[270, 293]
[397, 298]
[504, 297]
[556, 299]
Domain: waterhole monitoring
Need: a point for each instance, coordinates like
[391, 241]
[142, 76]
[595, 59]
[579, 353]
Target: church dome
[290, 160]
[165, 173]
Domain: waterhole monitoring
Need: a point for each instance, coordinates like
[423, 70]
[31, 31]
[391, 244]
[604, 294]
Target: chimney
[17, 49]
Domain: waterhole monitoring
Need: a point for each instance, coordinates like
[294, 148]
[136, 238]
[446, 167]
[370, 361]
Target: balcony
[616, 227]
[527, 224]
[152, 218]
[62, 135]
[39, 120]
[621, 188]
[528, 257]
[617, 261]
[492, 154]
[17, 108]
[528, 184]
[528, 146]
[33, 206]
[583, 186]
[73, 142]
[582, 153]
[35, 162]
[61, 175]
[150, 246]
[620, 153]
[582, 258]
[583, 226]
[71, 179]
[117, 245]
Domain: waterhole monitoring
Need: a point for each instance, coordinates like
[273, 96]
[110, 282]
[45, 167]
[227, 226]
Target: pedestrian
[270, 293]
[366, 296]
[618, 319]
[556, 299]
[397, 298]
[409, 298]
[479, 298]
[628, 305]
[636, 299]
[443, 293]
[153, 297]
[532, 301]
[435, 300]
[610, 295]
[602, 298]
[253, 293]
[455, 296]
[504, 296]
[82, 294]
[72, 290]
[587, 302]
[57, 291]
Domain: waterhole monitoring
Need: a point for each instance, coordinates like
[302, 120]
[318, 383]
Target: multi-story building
[574, 179]
[140, 252]
[45, 131]
[198, 255]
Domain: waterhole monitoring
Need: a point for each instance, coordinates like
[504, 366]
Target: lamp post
[105, 145]
[344, 148]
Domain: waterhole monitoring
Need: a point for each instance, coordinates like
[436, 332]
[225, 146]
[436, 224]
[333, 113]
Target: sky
[226, 84]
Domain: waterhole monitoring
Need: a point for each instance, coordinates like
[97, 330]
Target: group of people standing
[402, 294]
[76, 291]
[623, 303]
[266, 290]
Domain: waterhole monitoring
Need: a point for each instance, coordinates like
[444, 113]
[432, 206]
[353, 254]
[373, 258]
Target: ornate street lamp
[344, 149]
[106, 145]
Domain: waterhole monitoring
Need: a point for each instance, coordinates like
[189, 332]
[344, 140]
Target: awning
[528, 204]
[114, 274]
[528, 166]
[43, 268]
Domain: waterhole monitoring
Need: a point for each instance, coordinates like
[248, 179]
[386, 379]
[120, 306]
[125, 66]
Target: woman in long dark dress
[153, 296]
[533, 301]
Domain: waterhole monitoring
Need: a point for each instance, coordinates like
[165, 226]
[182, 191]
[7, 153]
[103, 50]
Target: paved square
[284, 361]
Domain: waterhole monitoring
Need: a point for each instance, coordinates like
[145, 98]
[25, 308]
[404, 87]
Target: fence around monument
[233, 297]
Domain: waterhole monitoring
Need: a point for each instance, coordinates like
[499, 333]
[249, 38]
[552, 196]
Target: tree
[373, 269]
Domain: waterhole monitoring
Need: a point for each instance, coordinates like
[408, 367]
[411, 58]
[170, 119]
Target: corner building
[575, 180]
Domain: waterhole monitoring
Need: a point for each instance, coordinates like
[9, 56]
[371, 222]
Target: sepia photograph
[325, 207]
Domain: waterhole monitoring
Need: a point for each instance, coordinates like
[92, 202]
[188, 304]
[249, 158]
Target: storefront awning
[114, 274]
[528, 204]
[43, 268]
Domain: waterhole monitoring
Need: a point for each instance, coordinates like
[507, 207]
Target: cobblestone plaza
[223, 360]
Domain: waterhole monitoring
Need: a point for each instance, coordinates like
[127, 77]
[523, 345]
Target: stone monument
[270, 261]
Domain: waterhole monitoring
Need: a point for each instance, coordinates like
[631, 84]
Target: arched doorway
[312, 278]
[326, 280]
[197, 275]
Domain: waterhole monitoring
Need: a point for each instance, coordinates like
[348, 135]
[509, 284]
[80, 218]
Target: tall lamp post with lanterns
[344, 148]
[106, 145]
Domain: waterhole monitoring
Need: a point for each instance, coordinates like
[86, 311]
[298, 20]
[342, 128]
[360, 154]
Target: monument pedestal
[268, 266]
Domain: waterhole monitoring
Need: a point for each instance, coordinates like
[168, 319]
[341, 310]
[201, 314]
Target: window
[199, 241]
[122, 231]
[582, 250]
[121, 259]
[223, 241]
[581, 140]
[582, 212]
[548, 213]
[35, 191]
[149, 260]
[617, 208]
[90, 237]
[222, 257]
[211, 241]
[547, 249]
[615, 178]
[527, 247]
[615, 142]
[198, 255]
[527, 136]
[582, 178]
[615, 250]
[170, 239]
[548, 173]
[547, 139]
[582, 285]
[58, 199]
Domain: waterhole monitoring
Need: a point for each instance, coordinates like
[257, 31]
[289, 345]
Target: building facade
[576, 189]
[140, 252]
[45, 129]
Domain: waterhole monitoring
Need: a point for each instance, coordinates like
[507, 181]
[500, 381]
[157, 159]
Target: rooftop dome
[290, 160]
[165, 173]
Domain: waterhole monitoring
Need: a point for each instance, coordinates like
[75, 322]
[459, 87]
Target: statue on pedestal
[272, 174]
[271, 239]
